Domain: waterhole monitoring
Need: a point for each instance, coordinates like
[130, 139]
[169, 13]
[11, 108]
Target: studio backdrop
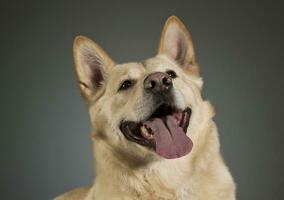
[45, 144]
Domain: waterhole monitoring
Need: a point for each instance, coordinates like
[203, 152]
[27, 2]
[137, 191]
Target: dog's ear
[92, 65]
[176, 43]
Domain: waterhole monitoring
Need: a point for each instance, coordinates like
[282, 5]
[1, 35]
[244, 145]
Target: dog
[153, 134]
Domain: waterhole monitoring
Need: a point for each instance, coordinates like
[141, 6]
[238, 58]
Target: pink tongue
[171, 141]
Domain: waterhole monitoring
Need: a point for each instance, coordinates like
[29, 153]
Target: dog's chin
[163, 132]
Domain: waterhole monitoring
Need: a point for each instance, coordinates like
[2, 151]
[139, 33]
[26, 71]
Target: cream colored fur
[128, 171]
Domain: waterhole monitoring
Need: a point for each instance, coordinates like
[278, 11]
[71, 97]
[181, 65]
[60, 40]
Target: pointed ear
[176, 43]
[92, 65]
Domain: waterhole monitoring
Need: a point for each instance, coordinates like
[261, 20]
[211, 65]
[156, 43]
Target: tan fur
[128, 171]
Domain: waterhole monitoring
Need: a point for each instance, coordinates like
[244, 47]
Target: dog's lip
[132, 130]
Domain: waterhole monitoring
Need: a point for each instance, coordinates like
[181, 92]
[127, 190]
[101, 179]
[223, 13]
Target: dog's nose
[158, 82]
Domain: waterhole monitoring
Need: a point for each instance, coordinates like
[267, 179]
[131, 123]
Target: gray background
[45, 147]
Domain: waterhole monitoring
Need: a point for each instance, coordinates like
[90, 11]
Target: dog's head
[143, 109]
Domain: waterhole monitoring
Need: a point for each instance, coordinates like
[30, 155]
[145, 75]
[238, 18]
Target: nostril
[152, 84]
[167, 81]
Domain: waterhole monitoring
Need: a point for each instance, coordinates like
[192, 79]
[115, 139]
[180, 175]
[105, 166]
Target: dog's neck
[149, 180]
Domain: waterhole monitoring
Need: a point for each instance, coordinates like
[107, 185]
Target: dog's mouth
[164, 131]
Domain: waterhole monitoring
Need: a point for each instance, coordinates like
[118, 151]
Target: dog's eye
[125, 85]
[171, 73]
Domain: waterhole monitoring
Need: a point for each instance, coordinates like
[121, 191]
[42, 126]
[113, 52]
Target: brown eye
[125, 85]
[171, 73]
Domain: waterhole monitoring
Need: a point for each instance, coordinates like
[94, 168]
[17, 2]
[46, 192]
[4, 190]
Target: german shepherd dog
[153, 134]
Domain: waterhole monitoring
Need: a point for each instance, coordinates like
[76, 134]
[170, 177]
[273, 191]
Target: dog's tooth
[145, 133]
[178, 117]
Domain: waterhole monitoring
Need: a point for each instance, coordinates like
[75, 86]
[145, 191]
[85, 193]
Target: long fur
[128, 171]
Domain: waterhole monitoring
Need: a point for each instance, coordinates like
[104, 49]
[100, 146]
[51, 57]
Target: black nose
[158, 82]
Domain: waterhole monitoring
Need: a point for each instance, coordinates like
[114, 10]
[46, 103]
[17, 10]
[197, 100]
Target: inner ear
[92, 65]
[97, 78]
[176, 43]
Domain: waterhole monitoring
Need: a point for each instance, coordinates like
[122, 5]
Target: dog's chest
[183, 194]
[159, 190]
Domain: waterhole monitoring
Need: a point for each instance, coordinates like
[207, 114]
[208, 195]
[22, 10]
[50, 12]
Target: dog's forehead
[131, 70]
[135, 70]
[158, 63]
